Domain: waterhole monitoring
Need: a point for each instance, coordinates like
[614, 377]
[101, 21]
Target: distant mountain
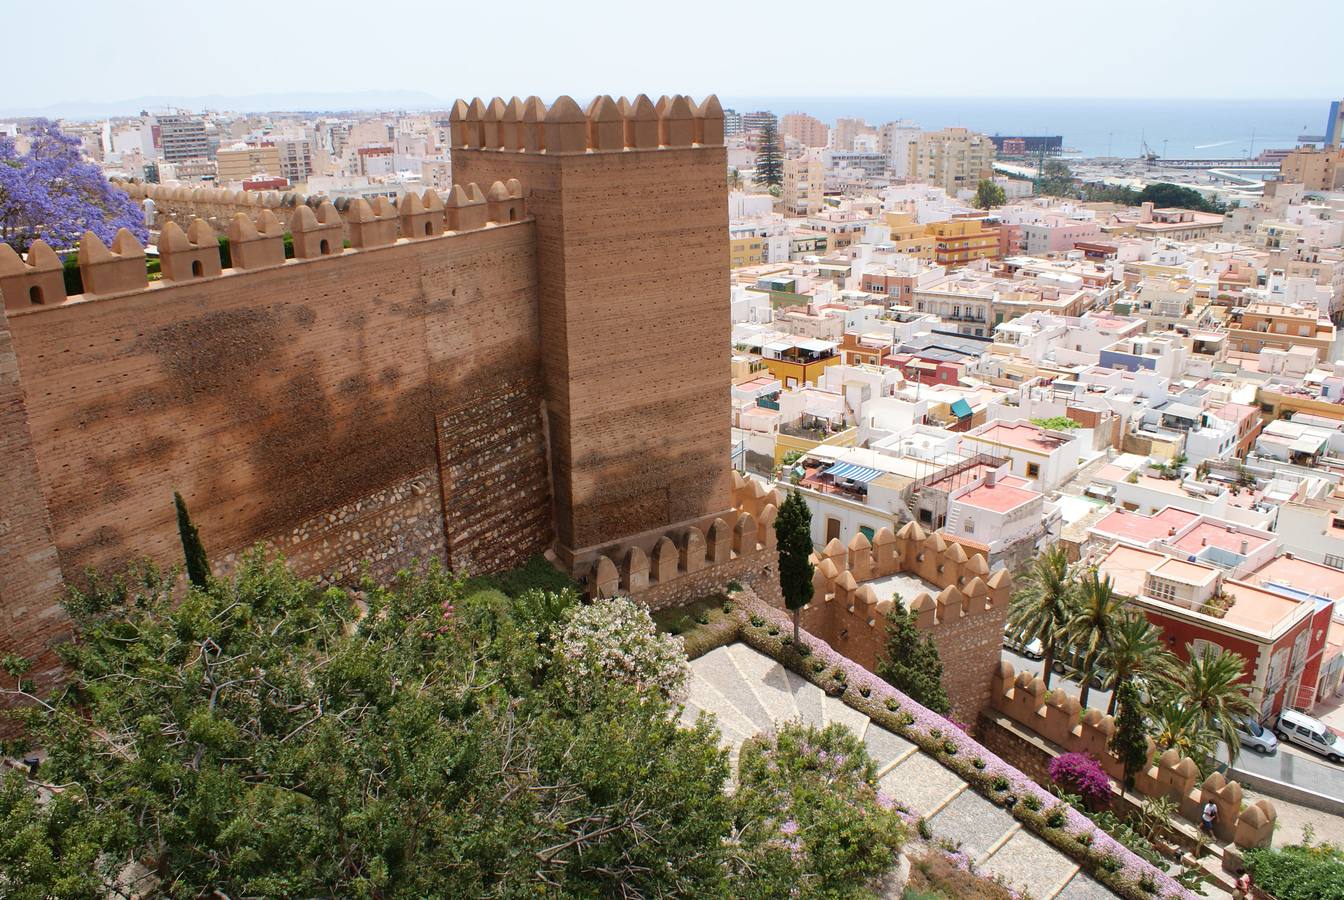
[300, 101]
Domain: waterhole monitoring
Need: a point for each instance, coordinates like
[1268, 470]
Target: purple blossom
[1081, 774]
[52, 193]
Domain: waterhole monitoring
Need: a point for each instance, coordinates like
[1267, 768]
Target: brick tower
[631, 218]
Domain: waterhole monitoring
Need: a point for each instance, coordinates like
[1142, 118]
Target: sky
[106, 51]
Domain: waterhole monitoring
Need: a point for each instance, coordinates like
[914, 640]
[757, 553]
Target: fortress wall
[632, 272]
[317, 406]
[30, 575]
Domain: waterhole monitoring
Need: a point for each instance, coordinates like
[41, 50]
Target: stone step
[885, 748]
[807, 697]
[833, 710]
[767, 680]
[717, 668]
[976, 824]
[1083, 886]
[921, 784]
[1027, 863]
[707, 697]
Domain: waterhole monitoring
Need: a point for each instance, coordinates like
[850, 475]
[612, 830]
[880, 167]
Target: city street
[1289, 764]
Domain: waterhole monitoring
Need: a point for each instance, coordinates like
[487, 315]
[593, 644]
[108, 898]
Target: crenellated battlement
[318, 227]
[964, 615]
[647, 566]
[1060, 719]
[607, 125]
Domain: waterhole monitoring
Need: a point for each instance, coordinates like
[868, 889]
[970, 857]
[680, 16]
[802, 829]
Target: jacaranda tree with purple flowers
[51, 193]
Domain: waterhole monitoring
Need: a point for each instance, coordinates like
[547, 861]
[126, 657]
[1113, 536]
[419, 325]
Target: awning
[853, 472]
[1308, 444]
[815, 346]
[961, 409]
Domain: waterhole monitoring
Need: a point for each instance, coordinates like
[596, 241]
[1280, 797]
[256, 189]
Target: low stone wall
[1060, 720]
[965, 620]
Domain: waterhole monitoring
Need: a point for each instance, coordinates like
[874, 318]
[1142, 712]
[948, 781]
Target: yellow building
[909, 237]
[1275, 326]
[957, 242]
[804, 186]
[241, 162]
[1315, 170]
[796, 361]
[953, 159]
[745, 247]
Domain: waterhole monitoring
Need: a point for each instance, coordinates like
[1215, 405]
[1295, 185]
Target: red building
[1277, 619]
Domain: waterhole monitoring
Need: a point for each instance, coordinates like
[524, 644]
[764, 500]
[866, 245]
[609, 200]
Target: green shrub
[757, 622]
[702, 618]
[734, 586]
[1000, 783]
[1056, 817]
[979, 763]
[949, 748]
[1299, 871]
[1031, 801]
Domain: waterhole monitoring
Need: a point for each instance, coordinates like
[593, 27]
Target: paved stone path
[749, 692]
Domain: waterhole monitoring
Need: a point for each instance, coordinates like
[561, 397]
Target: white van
[1305, 731]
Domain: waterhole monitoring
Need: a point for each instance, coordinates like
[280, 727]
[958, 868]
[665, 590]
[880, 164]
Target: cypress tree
[198, 567]
[769, 158]
[1130, 742]
[793, 536]
[910, 662]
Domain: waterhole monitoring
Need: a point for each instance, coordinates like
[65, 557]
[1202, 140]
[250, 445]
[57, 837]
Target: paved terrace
[748, 692]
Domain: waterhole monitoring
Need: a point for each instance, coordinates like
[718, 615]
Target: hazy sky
[105, 50]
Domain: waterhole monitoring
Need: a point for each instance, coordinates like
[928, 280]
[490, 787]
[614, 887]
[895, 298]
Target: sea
[1172, 128]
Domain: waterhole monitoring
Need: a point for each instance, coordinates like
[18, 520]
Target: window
[1033, 470]
[1162, 589]
[866, 532]
[970, 526]
[1334, 562]
[35, 295]
[832, 529]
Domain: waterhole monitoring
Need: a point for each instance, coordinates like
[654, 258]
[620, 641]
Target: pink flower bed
[937, 729]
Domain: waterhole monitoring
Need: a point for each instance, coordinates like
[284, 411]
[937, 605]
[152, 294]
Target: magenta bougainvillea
[1080, 774]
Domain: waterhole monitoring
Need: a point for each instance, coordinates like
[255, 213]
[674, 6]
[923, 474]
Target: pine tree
[198, 567]
[769, 158]
[793, 536]
[1130, 742]
[910, 661]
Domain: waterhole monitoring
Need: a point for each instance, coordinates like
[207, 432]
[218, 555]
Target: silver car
[1256, 736]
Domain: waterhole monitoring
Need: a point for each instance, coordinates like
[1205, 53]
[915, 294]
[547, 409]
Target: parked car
[1305, 731]
[1031, 649]
[1256, 736]
[1070, 664]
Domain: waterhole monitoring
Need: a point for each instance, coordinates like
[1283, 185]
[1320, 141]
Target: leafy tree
[193, 551]
[1056, 180]
[1209, 685]
[1165, 194]
[1136, 650]
[910, 663]
[264, 737]
[1093, 625]
[769, 157]
[1041, 608]
[793, 537]
[53, 194]
[809, 817]
[989, 195]
[1130, 741]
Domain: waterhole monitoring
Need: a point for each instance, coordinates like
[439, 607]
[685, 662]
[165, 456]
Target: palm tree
[1091, 629]
[1210, 685]
[1135, 651]
[1177, 724]
[1041, 609]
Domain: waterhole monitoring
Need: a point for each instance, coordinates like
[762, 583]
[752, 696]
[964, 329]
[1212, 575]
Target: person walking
[1208, 817]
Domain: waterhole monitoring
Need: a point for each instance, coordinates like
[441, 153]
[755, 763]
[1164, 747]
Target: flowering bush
[1130, 868]
[811, 820]
[615, 639]
[1080, 774]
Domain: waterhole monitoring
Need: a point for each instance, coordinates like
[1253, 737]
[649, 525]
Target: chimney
[1204, 542]
[1147, 214]
[992, 478]
[1245, 547]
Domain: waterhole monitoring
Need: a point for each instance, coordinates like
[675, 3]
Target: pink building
[1056, 235]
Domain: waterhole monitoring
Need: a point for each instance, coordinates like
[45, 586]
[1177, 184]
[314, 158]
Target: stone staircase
[748, 692]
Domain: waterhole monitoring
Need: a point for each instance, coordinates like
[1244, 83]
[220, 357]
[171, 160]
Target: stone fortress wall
[414, 396]
[965, 618]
